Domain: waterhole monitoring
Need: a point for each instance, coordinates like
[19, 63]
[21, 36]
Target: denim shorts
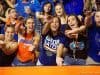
[16, 62]
[72, 61]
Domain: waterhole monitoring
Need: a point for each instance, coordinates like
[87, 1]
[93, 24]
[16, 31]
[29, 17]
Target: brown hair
[50, 32]
[77, 19]
[62, 8]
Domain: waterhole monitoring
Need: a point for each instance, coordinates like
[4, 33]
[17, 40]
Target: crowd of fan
[49, 32]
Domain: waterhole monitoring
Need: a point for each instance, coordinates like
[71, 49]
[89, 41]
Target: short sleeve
[64, 40]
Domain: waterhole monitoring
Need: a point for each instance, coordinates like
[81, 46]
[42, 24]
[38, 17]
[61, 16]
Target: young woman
[59, 10]
[77, 44]
[46, 14]
[93, 30]
[28, 41]
[11, 19]
[52, 44]
[11, 16]
[8, 46]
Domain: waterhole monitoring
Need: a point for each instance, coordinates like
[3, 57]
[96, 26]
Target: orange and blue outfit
[25, 57]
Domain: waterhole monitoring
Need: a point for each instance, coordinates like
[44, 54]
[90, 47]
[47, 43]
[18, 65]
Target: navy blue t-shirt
[48, 57]
[94, 43]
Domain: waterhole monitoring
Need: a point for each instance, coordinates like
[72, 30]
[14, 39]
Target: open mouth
[59, 12]
[72, 25]
[54, 27]
[30, 27]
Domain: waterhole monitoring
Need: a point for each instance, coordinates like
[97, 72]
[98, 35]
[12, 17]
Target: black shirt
[78, 50]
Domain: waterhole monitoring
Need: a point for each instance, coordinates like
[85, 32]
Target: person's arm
[49, 49]
[94, 4]
[45, 28]
[3, 19]
[1, 41]
[80, 17]
[6, 15]
[9, 3]
[1, 44]
[2, 36]
[36, 44]
[10, 47]
[75, 31]
[59, 59]
[36, 40]
[39, 15]
[86, 2]
[88, 18]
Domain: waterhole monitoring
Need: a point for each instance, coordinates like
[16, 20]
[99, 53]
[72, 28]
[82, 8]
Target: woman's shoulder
[36, 36]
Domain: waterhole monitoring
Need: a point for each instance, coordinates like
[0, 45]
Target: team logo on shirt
[32, 1]
[50, 45]
[27, 43]
[77, 46]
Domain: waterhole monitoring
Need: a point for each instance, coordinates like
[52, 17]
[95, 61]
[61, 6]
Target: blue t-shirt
[48, 57]
[73, 6]
[2, 29]
[63, 28]
[94, 43]
[35, 6]
[20, 7]
[18, 1]
[32, 5]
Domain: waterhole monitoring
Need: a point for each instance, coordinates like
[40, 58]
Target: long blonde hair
[60, 4]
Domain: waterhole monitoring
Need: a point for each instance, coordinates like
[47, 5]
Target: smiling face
[47, 8]
[9, 33]
[97, 18]
[55, 25]
[59, 10]
[13, 13]
[30, 25]
[72, 22]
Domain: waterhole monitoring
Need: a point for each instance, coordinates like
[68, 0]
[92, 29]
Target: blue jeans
[71, 61]
[16, 62]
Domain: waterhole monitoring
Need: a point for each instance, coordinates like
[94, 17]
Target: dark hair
[77, 19]
[45, 3]
[50, 31]
[30, 17]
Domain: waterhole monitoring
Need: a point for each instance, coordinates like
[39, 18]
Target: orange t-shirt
[24, 54]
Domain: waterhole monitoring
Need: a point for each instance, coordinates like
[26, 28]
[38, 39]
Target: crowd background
[49, 32]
